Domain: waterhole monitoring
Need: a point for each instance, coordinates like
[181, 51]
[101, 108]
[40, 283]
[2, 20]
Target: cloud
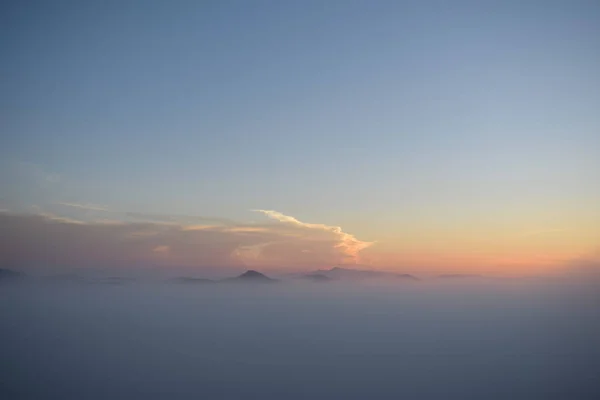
[53, 217]
[38, 173]
[345, 241]
[199, 227]
[174, 218]
[162, 249]
[247, 229]
[49, 239]
[30, 240]
[91, 207]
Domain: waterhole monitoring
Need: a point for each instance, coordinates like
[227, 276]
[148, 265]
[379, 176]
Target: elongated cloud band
[46, 238]
[90, 207]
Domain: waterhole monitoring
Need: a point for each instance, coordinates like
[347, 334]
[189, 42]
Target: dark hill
[251, 276]
[10, 275]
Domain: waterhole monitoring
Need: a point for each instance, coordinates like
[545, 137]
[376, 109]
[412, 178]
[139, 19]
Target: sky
[423, 137]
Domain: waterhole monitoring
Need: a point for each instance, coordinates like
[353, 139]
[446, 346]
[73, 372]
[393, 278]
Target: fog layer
[300, 341]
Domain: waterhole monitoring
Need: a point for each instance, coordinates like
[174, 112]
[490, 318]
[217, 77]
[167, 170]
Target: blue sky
[371, 115]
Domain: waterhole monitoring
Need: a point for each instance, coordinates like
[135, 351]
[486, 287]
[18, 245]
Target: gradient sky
[456, 136]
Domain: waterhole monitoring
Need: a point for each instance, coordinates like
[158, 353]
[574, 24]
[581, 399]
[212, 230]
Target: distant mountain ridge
[361, 274]
[317, 278]
[337, 273]
[10, 275]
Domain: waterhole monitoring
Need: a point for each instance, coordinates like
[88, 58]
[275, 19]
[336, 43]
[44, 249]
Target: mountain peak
[254, 276]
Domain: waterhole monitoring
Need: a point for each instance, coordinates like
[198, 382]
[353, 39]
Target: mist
[300, 340]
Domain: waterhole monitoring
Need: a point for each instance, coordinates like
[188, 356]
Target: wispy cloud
[175, 218]
[39, 173]
[248, 229]
[161, 249]
[90, 207]
[199, 227]
[56, 218]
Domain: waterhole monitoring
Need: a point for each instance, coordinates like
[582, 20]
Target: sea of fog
[472, 340]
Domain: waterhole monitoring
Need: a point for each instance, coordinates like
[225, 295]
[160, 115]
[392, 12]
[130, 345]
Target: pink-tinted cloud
[345, 242]
[50, 240]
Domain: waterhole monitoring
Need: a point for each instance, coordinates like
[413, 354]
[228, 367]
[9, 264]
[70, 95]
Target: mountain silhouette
[10, 275]
[65, 278]
[112, 280]
[361, 274]
[317, 278]
[251, 276]
[406, 276]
